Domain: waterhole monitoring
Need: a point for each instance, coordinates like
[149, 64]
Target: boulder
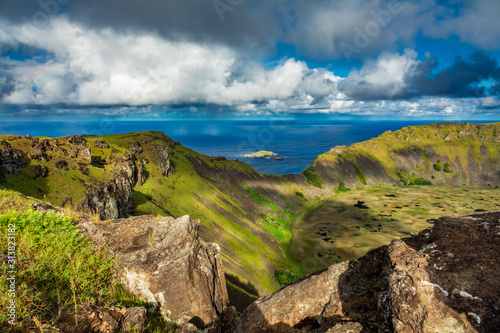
[40, 171]
[164, 262]
[446, 279]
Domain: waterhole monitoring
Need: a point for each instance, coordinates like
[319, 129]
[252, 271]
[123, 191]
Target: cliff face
[164, 262]
[11, 160]
[446, 279]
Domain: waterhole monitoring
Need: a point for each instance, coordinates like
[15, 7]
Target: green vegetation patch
[408, 178]
[299, 194]
[56, 267]
[447, 168]
[312, 178]
[342, 188]
[438, 166]
[284, 278]
[259, 198]
[359, 174]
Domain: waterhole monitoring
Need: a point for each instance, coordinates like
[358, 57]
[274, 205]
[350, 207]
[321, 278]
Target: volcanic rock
[11, 160]
[164, 262]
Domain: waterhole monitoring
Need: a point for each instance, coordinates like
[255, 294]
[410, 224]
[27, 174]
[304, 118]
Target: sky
[344, 57]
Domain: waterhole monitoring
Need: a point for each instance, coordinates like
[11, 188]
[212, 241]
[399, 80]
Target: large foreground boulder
[164, 262]
[446, 279]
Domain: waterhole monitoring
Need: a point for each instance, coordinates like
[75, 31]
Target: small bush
[447, 168]
[299, 194]
[342, 188]
[420, 181]
[284, 278]
[437, 166]
[402, 176]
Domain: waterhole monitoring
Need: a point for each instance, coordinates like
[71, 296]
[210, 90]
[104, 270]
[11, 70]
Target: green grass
[51, 256]
[260, 199]
[312, 178]
[359, 175]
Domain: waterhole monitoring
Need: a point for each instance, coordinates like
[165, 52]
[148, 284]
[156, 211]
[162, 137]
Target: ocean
[300, 141]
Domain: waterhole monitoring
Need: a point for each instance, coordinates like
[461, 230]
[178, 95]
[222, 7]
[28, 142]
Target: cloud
[104, 67]
[318, 29]
[402, 76]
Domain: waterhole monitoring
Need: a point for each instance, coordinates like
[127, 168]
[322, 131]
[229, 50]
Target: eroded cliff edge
[446, 279]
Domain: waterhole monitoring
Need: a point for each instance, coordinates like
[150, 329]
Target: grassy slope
[249, 250]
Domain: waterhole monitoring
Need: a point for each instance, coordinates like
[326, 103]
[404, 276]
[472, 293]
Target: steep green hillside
[148, 173]
[244, 211]
[440, 154]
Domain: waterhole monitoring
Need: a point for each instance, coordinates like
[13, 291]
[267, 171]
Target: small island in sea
[265, 154]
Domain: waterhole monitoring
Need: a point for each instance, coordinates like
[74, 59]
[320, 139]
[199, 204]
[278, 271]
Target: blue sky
[368, 58]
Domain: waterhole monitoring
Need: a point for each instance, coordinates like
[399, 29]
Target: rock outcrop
[446, 279]
[164, 165]
[113, 199]
[11, 160]
[164, 262]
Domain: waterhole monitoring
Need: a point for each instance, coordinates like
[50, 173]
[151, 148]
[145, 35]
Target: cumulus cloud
[106, 67]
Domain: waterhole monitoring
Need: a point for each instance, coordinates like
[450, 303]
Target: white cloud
[107, 67]
[384, 77]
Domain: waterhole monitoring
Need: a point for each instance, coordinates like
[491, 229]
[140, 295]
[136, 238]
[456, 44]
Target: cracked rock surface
[163, 261]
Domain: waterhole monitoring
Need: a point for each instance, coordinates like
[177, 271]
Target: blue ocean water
[300, 141]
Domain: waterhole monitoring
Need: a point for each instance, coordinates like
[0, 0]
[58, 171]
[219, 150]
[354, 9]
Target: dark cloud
[463, 78]
[319, 29]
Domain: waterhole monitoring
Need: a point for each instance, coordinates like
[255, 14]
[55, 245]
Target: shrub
[420, 181]
[299, 194]
[284, 278]
[447, 168]
[437, 166]
[342, 188]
